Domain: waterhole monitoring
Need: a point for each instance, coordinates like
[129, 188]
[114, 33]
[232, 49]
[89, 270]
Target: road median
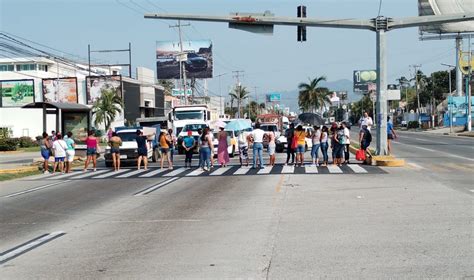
[386, 161]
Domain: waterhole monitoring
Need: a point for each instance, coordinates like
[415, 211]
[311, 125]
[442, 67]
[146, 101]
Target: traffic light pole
[381, 103]
[380, 25]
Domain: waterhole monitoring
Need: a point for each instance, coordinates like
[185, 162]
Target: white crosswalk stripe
[220, 171]
[334, 169]
[196, 172]
[265, 170]
[152, 173]
[129, 174]
[175, 172]
[288, 169]
[357, 169]
[111, 173]
[62, 176]
[311, 169]
[242, 171]
[91, 173]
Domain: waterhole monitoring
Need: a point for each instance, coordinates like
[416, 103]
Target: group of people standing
[59, 147]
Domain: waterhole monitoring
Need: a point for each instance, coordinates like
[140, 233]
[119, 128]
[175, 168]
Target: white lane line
[91, 173]
[471, 190]
[311, 169]
[242, 171]
[416, 166]
[288, 170]
[175, 172]
[155, 187]
[430, 141]
[62, 176]
[110, 174]
[196, 172]
[220, 171]
[265, 170]
[438, 152]
[36, 189]
[357, 168]
[126, 175]
[153, 173]
[334, 169]
[28, 246]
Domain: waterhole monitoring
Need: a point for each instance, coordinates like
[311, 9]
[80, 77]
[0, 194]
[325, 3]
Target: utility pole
[417, 68]
[182, 69]
[450, 67]
[221, 105]
[256, 101]
[468, 90]
[237, 75]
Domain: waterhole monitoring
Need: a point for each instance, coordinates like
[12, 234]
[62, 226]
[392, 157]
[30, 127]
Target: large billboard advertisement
[196, 56]
[17, 93]
[61, 90]
[365, 80]
[445, 7]
[97, 85]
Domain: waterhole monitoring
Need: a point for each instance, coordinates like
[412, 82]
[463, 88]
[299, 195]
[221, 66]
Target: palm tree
[240, 93]
[107, 107]
[312, 97]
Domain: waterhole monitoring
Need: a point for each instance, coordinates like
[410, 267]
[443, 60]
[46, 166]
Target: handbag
[360, 155]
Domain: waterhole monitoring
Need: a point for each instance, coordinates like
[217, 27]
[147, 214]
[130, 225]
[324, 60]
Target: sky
[270, 63]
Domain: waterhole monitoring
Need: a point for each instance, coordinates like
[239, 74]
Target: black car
[195, 62]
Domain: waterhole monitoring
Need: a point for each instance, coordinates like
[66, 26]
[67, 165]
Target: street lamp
[451, 95]
[220, 93]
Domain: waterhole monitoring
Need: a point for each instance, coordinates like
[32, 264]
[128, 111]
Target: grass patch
[29, 149]
[11, 176]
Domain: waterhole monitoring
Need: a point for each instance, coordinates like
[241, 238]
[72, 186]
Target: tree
[311, 96]
[168, 85]
[107, 107]
[240, 93]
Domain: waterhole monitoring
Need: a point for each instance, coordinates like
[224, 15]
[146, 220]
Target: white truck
[182, 115]
[128, 149]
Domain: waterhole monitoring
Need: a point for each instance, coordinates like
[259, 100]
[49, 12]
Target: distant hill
[290, 98]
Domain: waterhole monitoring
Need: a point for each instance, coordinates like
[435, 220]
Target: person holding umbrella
[239, 126]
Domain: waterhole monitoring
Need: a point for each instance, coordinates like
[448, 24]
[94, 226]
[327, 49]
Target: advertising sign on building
[446, 7]
[365, 80]
[274, 97]
[97, 85]
[196, 57]
[17, 93]
[62, 90]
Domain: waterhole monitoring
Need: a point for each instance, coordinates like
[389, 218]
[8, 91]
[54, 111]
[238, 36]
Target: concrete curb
[387, 161]
[17, 170]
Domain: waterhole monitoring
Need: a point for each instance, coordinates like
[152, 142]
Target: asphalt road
[397, 223]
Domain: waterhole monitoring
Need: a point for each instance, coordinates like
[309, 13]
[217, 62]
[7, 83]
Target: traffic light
[301, 13]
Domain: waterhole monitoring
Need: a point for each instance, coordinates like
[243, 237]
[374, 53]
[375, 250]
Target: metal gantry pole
[381, 101]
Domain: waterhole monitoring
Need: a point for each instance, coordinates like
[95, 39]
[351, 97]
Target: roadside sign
[180, 92]
[273, 97]
[364, 79]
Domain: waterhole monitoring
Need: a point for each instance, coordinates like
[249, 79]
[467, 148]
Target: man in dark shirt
[142, 150]
[289, 133]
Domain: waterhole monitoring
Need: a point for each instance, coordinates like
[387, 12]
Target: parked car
[282, 142]
[195, 62]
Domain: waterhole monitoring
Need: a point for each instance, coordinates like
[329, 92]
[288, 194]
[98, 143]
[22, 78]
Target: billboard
[61, 90]
[96, 85]
[338, 96]
[445, 7]
[365, 80]
[17, 93]
[196, 56]
[273, 97]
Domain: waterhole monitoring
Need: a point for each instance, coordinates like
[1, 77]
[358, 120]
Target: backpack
[367, 136]
[341, 137]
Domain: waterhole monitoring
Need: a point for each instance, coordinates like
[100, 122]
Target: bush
[26, 142]
[413, 124]
[9, 144]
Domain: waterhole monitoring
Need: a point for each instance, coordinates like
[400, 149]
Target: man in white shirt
[257, 139]
[366, 120]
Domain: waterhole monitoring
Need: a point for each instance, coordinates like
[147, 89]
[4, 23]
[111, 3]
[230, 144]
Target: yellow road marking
[280, 183]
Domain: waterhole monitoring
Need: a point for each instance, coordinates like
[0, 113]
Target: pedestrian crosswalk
[220, 171]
